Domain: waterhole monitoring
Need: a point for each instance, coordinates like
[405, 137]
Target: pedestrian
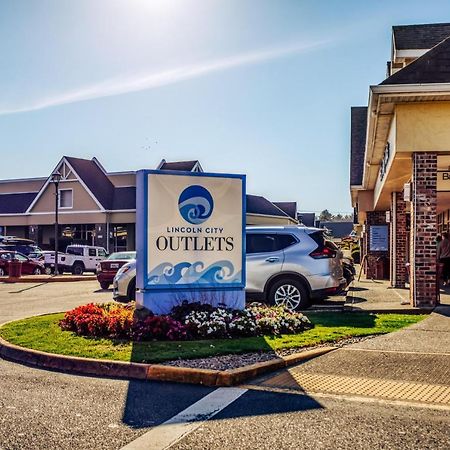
[443, 256]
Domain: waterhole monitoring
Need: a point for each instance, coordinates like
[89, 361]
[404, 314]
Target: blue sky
[246, 86]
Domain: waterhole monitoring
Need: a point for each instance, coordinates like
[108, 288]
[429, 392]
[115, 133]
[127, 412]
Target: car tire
[131, 291]
[290, 293]
[37, 271]
[104, 285]
[77, 269]
[48, 271]
[2, 272]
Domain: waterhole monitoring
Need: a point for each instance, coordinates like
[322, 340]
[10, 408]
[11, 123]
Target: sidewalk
[411, 365]
[378, 295]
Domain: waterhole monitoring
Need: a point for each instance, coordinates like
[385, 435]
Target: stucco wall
[82, 201]
[423, 127]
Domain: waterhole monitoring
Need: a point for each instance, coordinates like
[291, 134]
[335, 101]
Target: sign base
[162, 302]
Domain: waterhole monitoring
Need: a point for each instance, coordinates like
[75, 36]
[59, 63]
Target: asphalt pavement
[41, 409]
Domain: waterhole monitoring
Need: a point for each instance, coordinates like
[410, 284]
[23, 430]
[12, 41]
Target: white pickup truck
[77, 259]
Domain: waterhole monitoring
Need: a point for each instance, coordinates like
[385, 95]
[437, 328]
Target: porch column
[398, 240]
[423, 291]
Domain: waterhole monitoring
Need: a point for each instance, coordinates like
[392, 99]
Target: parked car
[124, 283]
[291, 265]
[349, 270]
[30, 250]
[286, 265]
[29, 267]
[77, 259]
[107, 269]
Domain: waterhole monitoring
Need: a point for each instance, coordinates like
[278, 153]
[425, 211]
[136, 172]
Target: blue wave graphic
[220, 272]
[195, 204]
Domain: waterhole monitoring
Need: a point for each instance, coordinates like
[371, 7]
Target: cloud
[153, 80]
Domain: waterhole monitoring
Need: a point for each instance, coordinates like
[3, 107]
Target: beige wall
[423, 127]
[123, 180]
[122, 217]
[11, 187]
[82, 201]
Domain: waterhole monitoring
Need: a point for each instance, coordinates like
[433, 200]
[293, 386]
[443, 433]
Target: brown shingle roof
[357, 144]
[178, 165]
[432, 67]
[425, 36]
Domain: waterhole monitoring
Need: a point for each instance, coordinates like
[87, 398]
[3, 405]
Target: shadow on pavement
[149, 403]
[353, 299]
[152, 403]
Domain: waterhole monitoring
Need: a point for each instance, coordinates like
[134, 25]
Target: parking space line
[163, 436]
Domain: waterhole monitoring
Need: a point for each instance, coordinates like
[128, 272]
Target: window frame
[59, 198]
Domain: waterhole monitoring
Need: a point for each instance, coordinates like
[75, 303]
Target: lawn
[43, 333]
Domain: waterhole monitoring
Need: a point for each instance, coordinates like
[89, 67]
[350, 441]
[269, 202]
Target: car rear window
[319, 238]
[75, 251]
[268, 242]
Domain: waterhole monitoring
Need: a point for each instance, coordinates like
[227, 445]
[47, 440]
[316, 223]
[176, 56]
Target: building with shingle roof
[400, 161]
[96, 206]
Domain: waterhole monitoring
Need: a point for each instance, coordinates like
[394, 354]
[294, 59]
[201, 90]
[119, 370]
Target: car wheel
[104, 285]
[77, 269]
[37, 271]
[2, 272]
[48, 271]
[289, 293]
[131, 291]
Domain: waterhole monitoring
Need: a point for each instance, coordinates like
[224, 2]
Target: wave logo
[195, 204]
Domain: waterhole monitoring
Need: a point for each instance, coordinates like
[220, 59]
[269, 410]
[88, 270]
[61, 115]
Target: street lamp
[56, 178]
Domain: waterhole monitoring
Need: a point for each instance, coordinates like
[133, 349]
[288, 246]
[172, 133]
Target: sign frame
[142, 199]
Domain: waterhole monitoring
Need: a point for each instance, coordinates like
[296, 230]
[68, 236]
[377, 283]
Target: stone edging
[155, 372]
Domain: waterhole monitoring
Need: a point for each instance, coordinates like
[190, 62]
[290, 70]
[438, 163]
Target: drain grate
[387, 389]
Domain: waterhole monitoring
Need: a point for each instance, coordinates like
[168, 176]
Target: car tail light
[323, 252]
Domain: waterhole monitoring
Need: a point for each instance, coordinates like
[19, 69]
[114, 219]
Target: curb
[47, 279]
[153, 372]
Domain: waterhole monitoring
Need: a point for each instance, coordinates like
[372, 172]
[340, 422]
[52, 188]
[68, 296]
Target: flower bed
[185, 322]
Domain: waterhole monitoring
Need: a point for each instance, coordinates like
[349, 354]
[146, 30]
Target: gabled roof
[257, 204]
[432, 67]
[186, 166]
[338, 229]
[307, 219]
[95, 179]
[290, 208]
[357, 144]
[415, 37]
[16, 203]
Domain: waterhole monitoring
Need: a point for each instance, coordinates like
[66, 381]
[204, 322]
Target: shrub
[186, 321]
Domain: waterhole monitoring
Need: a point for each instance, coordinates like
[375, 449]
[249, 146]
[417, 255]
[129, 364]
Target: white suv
[285, 265]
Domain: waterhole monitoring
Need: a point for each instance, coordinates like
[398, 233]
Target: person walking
[443, 256]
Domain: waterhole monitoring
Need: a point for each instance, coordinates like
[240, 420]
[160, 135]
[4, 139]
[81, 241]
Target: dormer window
[66, 198]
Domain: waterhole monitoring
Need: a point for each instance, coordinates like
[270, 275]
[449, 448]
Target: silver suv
[291, 265]
[287, 265]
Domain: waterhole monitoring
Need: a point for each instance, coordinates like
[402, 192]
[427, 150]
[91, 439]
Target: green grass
[43, 333]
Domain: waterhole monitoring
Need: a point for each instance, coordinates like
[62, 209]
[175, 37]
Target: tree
[325, 215]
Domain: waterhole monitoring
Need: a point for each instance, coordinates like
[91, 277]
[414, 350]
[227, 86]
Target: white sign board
[190, 232]
[379, 240]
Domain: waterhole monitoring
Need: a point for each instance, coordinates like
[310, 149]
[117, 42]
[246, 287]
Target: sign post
[190, 233]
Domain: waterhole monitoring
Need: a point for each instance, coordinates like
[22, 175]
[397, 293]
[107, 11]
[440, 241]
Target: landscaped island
[194, 331]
